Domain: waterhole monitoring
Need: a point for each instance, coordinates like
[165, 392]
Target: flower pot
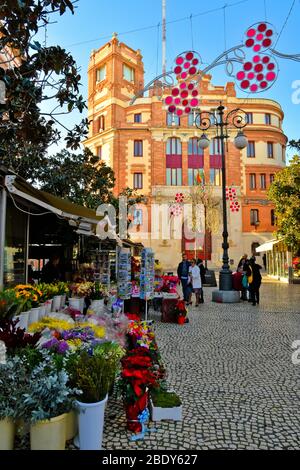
[48, 306]
[49, 434]
[77, 303]
[7, 434]
[91, 421]
[42, 312]
[56, 303]
[71, 425]
[97, 305]
[181, 320]
[23, 320]
[33, 315]
[63, 301]
[158, 413]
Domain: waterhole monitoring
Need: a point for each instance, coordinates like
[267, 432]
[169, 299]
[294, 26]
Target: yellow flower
[74, 343]
[51, 323]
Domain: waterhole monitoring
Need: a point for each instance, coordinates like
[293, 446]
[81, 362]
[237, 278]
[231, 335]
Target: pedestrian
[183, 275]
[195, 281]
[254, 279]
[243, 259]
[243, 269]
[51, 272]
[202, 275]
[264, 258]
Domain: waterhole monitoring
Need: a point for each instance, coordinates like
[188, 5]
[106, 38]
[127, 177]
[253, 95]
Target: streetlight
[235, 118]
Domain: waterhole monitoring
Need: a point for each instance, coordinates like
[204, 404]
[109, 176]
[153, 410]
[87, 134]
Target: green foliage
[9, 304]
[285, 193]
[80, 177]
[33, 75]
[92, 374]
[13, 381]
[165, 399]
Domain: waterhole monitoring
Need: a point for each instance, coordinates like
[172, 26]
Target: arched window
[173, 162]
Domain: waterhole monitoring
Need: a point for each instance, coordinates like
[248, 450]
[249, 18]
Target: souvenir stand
[124, 274]
[170, 299]
[147, 277]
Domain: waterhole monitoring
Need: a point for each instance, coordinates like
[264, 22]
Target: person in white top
[195, 280]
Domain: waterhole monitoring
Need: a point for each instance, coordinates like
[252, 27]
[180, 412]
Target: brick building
[157, 153]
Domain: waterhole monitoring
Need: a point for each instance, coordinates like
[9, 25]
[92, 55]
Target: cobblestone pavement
[232, 367]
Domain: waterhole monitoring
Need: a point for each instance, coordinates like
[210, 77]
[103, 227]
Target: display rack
[147, 277]
[124, 273]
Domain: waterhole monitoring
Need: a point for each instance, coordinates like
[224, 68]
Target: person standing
[51, 271]
[254, 279]
[195, 280]
[202, 275]
[264, 258]
[183, 274]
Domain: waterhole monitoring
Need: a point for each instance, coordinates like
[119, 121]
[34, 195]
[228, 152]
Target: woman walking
[195, 281]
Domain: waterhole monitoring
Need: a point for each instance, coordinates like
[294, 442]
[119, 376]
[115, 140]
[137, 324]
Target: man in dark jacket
[253, 273]
[202, 274]
[183, 274]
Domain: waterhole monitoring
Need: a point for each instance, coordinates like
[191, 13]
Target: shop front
[281, 262]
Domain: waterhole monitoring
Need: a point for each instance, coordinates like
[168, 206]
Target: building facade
[157, 154]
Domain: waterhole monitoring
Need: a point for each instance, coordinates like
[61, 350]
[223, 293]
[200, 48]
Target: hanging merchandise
[147, 274]
[124, 273]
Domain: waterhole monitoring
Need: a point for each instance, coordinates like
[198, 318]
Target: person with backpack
[254, 280]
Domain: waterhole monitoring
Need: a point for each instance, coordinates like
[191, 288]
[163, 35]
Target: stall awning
[266, 246]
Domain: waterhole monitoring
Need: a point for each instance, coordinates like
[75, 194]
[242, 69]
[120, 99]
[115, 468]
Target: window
[138, 117]
[215, 176]
[270, 150]
[272, 177]
[173, 119]
[101, 123]
[138, 217]
[137, 180]
[174, 176]
[249, 118]
[128, 73]
[215, 147]
[252, 178]
[283, 154]
[138, 148]
[173, 146]
[251, 149]
[268, 118]
[263, 183]
[99, 152]
[195, 176]
[254, 217]
[194, 148]
[101, 73]
[273, 218]
[192, 116]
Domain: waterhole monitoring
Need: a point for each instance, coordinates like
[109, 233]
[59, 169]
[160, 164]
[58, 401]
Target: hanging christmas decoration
[231, 196]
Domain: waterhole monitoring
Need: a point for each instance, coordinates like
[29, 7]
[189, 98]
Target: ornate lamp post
[221, 122]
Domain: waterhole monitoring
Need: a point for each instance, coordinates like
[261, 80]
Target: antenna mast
[164, 36]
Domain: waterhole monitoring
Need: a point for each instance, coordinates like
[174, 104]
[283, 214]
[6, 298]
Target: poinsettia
[15, 337]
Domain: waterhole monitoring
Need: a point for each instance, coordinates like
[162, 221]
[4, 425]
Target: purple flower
[62, 347]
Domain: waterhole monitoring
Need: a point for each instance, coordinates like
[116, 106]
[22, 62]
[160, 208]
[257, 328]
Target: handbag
[250, 277]
[245, 281]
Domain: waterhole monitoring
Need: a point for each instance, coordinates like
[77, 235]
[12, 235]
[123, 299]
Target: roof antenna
[164, 36]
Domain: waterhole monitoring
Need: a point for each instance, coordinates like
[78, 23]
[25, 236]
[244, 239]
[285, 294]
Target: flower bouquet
[180, 312]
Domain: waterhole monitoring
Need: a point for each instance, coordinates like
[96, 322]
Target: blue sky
[95, 20]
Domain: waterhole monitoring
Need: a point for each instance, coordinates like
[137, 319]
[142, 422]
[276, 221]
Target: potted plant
[79, 292]
[180, 312]
[10, 305]
[165, 404]
[91, 372]
[46, 400]
[97, 297]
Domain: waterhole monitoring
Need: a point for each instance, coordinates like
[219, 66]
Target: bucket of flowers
[180, 312]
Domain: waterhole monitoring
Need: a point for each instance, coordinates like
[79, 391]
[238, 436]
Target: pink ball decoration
[271, 66]
[168, 100]
[179, 60]
[182, 85]
[266, 59]
[269, 33]
[251, 32]
[256, 48]
[190, 86]
[179, 112]
[172, 108]
[175, 92]
[240, 75]
[185, 102]
[186, 65]
[258, 67]
[183, 75]
[267, 42]
[260, 77]
[253, 87]
[187, 110]
[177, 101]
[177, 70]
[259, 37]
[245, 84]
[194, 102]
[270, 76]
[195, 61]
[250, 75]
[247, 66]
[184, 94]
[194, 93]
[249, 42]
[263, 84]
[256, 58]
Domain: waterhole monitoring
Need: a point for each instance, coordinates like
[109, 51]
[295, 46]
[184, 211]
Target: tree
[79, 177]
[285, 193]
[33, 75]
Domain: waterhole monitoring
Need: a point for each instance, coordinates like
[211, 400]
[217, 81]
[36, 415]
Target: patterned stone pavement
[232, 367]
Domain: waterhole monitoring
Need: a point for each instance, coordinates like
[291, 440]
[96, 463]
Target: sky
[191, 24]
